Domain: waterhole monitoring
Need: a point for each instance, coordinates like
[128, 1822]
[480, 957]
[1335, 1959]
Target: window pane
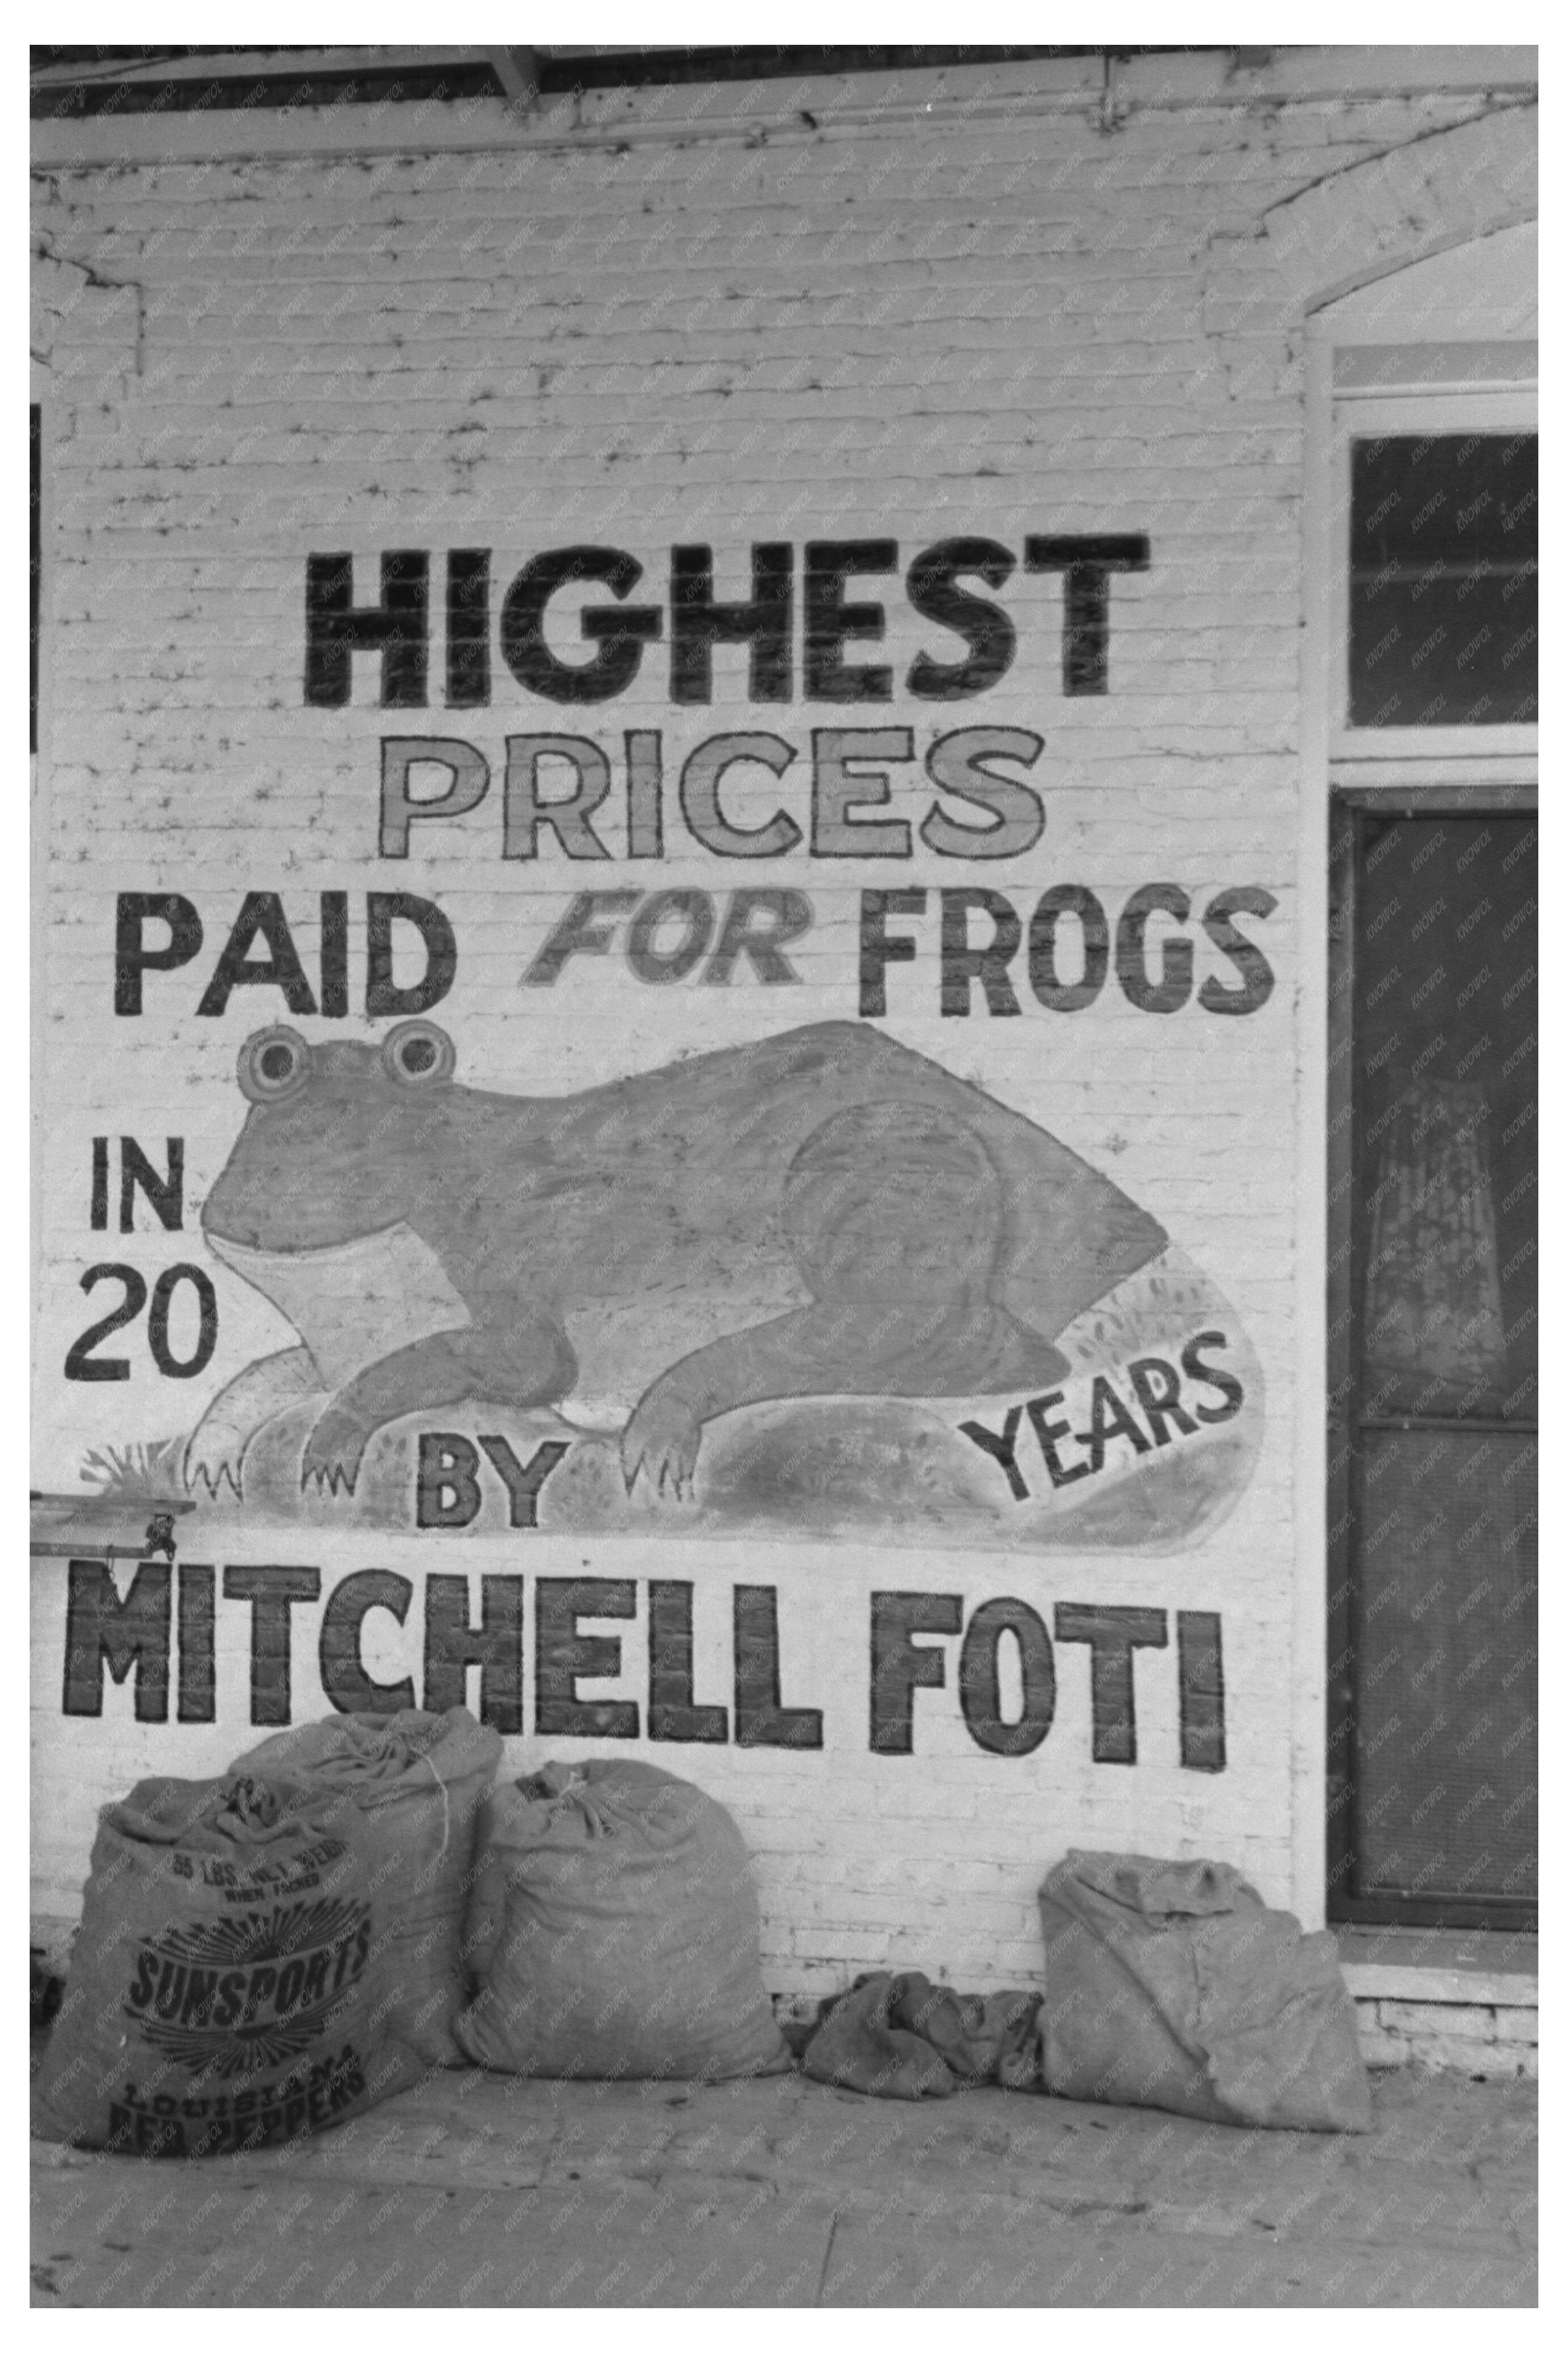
[1443, 580]
[1446, 1088]
[1445, 1735]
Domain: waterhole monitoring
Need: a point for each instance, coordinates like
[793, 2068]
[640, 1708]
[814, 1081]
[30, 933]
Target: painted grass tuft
[149, 1474]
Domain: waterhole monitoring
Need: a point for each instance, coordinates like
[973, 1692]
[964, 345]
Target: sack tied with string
[408, 1789]
[221, 1994]
[614, 1930]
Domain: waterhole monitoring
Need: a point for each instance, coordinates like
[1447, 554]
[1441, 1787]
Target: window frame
[1385, 325]
[1415, 771]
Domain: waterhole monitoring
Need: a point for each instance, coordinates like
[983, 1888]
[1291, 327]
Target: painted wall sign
[642, 1224]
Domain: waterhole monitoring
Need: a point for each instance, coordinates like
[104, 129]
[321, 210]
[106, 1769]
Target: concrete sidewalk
[480, 2189]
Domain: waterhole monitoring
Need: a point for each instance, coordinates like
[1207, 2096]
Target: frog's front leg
[524, 1363]
[218, 1447]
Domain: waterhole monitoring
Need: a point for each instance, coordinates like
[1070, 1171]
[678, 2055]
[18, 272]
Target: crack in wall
[1399, 147]
[1225, 243]
[45, 249]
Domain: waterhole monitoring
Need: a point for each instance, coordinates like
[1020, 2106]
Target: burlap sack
[1171, 1985]
[615, 1931]
[414, 1783]
[221, 1993]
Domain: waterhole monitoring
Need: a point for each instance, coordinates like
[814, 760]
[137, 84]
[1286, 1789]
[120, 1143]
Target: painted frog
[823, 1212]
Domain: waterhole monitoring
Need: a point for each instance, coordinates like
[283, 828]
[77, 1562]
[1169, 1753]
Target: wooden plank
[1369, 1982]
[90, 1548]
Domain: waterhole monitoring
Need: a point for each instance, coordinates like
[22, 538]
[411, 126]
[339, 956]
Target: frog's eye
[273, 1065]
[417, 1054]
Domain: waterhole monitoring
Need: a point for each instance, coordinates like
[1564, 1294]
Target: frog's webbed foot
[662, 1440]
[218, 1447]
[334, 1451]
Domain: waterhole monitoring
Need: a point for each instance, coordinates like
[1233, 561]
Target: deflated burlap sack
[220, 1995]
[414, 1783]
[1171, 1985]
[902, 2038]
[614, 1931]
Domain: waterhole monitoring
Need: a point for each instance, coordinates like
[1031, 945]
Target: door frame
[1349, 804]
[1387, 314]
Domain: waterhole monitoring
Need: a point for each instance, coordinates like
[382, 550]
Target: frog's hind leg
[218, 1447]
[895, 1214]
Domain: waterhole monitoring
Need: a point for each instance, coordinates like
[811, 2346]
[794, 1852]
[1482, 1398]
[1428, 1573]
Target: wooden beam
[517, 70]
[266, 65]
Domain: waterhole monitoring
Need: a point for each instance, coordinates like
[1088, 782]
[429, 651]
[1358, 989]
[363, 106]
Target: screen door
[1432, 1404]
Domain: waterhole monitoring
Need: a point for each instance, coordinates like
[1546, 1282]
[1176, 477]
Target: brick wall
[1490, 2043]
[1025, 312]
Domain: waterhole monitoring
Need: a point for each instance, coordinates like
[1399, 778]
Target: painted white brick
[988, 325]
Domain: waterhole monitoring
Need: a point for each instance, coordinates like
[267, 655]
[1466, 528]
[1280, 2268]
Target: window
[1442, 580]
[1435, 574]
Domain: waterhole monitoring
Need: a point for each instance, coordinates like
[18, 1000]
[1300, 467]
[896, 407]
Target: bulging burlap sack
[407, 1789]
[1171, 1985]
[615, 1931]
[221, 1993]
